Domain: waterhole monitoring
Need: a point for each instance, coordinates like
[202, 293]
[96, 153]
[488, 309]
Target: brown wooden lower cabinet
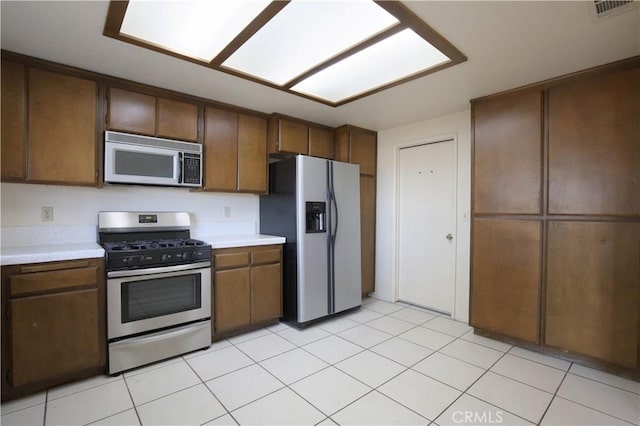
[506, 277]
[55, 329]
[247, 288]
[266, 292]
[232, 298]
[593, 290]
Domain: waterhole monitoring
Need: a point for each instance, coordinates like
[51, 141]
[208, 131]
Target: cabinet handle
[449, 237]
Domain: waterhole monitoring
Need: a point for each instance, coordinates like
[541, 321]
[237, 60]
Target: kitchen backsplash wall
[75, 211]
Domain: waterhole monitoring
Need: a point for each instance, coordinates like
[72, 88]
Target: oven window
[143, 164]
[160, 296]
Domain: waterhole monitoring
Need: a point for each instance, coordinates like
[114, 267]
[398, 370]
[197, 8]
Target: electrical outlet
[227, 212]
[46, 214]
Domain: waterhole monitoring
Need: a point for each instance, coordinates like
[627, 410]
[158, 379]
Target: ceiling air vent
[607, 7]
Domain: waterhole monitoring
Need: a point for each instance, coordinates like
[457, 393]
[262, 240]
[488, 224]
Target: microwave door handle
[179, 164]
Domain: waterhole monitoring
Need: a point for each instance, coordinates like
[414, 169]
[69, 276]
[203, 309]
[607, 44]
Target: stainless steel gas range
[158, 287]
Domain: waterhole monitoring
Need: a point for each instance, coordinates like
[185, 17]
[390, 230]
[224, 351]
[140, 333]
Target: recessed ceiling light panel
[392, 59]
[198, 29]
[305, 34]
[330, 51]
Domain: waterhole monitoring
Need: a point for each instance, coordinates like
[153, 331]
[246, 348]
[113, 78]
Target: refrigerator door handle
[334, 204]
[333, 229]
[332, 245]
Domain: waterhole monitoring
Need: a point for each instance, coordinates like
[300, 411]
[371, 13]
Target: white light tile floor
[386, 364]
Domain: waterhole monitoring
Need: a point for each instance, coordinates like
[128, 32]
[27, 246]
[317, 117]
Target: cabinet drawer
[271, 255]
[231, 259]
[52, 280]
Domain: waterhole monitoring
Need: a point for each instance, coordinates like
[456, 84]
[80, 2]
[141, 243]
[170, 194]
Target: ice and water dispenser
[316, 216]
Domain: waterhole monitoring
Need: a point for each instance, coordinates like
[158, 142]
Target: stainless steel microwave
[145, 160]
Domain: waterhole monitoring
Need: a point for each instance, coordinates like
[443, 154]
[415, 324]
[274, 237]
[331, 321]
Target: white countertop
[54, 252]
[49, 253]
[241, 240]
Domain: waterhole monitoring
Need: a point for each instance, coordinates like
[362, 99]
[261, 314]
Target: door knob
[449, 237]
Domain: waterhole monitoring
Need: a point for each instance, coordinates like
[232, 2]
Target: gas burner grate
[152, 244]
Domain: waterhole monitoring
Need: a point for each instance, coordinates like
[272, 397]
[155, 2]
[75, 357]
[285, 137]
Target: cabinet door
[53, 335]
[593, 290]
[321, 142]
[363, 149]
[61, 129]
[131, 112]
[266, 292]
[507, 159]
[177, 120]
[220, 149]
[368, 232]
[13, 121]
[252, 154]
[506, 277]
[594, 153]
[232, 299]
[293, 137]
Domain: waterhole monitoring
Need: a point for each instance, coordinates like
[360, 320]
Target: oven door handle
[160, 270]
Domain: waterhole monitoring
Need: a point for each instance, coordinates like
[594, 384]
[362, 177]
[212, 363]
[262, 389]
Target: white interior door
[426, 214]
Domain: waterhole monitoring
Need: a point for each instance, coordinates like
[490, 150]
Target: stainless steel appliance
[315, 204]
[145, 160]
[158, 287]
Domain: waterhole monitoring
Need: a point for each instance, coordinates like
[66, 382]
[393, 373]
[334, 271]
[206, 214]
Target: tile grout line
[133, 402]
[211, 392]
[581, 404]
[465, 392]
[46, 404]
[555, 394]
[376, 388]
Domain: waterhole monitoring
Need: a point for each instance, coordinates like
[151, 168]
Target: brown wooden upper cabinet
[58, 142]
[235, 151]
[151, 115]
[14, 97]
[507, 172]
[321, 142]
[291, 136]
[594, 145]
[358, 146]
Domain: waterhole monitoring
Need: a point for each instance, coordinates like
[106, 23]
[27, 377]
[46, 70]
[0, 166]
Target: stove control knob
[182, 256]
[141, 259]
[164, 257]
[126, 260]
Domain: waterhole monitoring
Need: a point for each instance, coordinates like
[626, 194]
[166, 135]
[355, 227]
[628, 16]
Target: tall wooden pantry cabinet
[556, 216]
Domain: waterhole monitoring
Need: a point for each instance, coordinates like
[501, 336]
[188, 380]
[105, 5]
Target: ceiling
[508, 44]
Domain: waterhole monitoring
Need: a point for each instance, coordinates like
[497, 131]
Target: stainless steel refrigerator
[315, 204]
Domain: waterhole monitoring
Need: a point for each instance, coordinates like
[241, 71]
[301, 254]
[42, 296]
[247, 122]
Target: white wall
[458, 124]
[79, 206]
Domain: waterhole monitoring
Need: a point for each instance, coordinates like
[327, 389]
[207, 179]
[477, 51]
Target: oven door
[149, 299]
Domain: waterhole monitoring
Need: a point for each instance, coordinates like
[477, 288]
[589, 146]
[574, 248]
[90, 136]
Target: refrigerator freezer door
[347, 267]
[313, 278]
